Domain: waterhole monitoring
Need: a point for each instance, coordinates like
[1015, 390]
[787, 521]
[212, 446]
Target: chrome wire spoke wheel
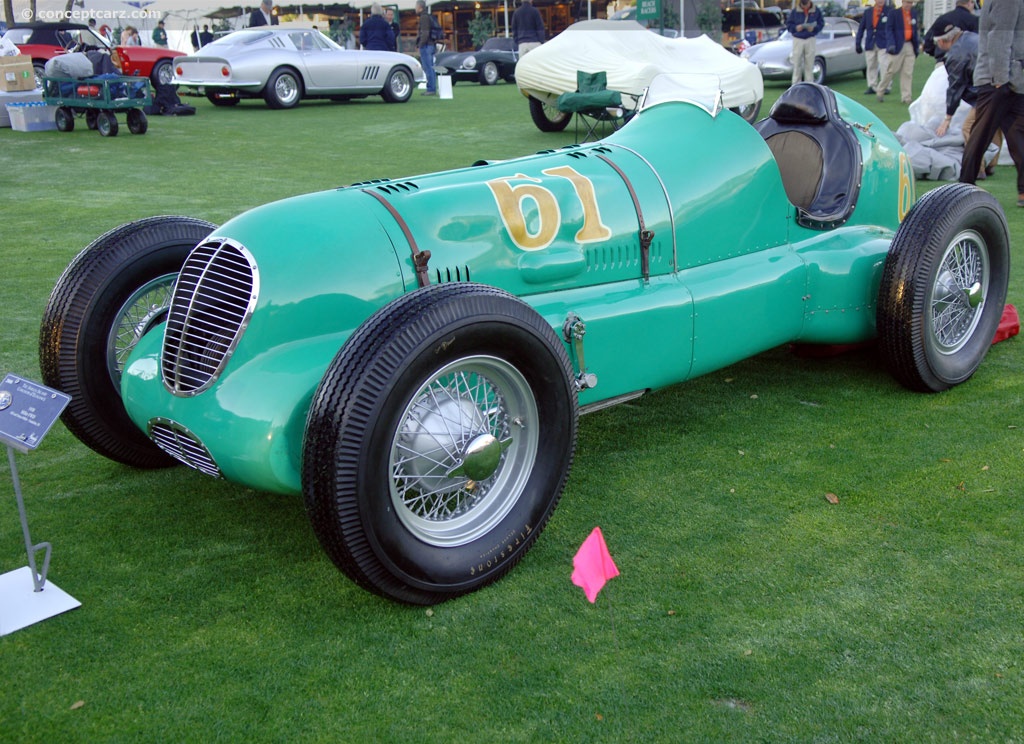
[141, 311]
[286, 89]
[463, 450]
[401, 85]
[959, 292]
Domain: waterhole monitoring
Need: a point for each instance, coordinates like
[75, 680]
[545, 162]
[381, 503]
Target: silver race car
[284, 66]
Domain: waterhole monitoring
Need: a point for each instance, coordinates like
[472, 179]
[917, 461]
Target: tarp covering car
[632, 56]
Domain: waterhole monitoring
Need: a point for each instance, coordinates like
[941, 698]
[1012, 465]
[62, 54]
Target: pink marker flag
[593, 565]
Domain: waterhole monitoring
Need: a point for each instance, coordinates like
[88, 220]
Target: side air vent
[213, 300]
[452, 274]
[182, 445]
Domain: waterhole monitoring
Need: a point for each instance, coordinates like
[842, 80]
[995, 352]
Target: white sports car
[632, 56]
[285, 66]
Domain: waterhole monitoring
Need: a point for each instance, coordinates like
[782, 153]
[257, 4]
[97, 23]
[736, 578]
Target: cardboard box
[16, 73]
[24, 96]
[32, 117]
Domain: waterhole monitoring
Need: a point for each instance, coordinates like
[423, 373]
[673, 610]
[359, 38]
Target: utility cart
[98, 100]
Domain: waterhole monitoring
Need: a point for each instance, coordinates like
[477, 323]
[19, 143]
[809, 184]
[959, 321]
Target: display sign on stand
[27, 411]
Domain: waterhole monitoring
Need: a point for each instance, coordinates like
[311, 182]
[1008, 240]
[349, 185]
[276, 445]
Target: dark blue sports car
[494, 61]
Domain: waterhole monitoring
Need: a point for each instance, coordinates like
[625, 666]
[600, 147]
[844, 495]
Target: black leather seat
[817, 152]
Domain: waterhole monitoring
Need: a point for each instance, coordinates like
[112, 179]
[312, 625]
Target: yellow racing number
[537, 231]
[905, 196]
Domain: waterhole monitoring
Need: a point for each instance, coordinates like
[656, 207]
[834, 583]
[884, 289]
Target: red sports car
[44, 41]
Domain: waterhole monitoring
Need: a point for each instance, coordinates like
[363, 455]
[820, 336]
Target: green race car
[412, 355]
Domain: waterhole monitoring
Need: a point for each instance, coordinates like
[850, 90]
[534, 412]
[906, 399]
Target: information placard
[27, 411]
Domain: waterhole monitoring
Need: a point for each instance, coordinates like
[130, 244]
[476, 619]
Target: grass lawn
[749, 608]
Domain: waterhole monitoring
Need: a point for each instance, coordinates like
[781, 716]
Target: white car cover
[632, 56]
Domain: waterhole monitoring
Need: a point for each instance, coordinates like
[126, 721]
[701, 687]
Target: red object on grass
[1009, 324]
[593, 565]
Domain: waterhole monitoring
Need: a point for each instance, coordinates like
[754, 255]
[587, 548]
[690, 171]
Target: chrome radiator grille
[213, 299]
[182, 445]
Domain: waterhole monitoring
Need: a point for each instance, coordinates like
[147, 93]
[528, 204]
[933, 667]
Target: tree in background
[481, 28]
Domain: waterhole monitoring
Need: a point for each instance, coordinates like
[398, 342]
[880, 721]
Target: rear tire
[110, 296]
[162, 74]
[283, 90]
[943, 288]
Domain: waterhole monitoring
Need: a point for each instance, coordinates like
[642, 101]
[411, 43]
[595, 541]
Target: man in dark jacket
[871, 41]
[804, 23]
[999, 80]
[263, 15]
[527, 28]
[426, 46]
[961, 17]
[376, 33]
[902, 45]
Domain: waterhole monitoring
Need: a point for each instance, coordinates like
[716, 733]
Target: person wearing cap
[871, 42]
[803, 24]
[961, 17]
[902, 45]
[999, 81]
[960, 55]
[160, 35]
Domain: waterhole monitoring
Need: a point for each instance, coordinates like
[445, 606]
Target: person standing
[803, 24]
[999, 82]
[160, 35]
[871, 41]
[902, 45]
[205, 37]
[527, 28]
[426, 47]
[376, 33]
[961, 17]
[389, 16]
[263, 15]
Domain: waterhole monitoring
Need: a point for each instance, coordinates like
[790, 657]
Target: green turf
[750, 607]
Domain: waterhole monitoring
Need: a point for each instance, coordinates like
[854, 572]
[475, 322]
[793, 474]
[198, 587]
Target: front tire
[284, 89]
[398, 87]
[548, 118]
[943, 288]
[65, 119]
[137, 121]
[489, 74]
[439, 441]
[110, 295]
[819, 70]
